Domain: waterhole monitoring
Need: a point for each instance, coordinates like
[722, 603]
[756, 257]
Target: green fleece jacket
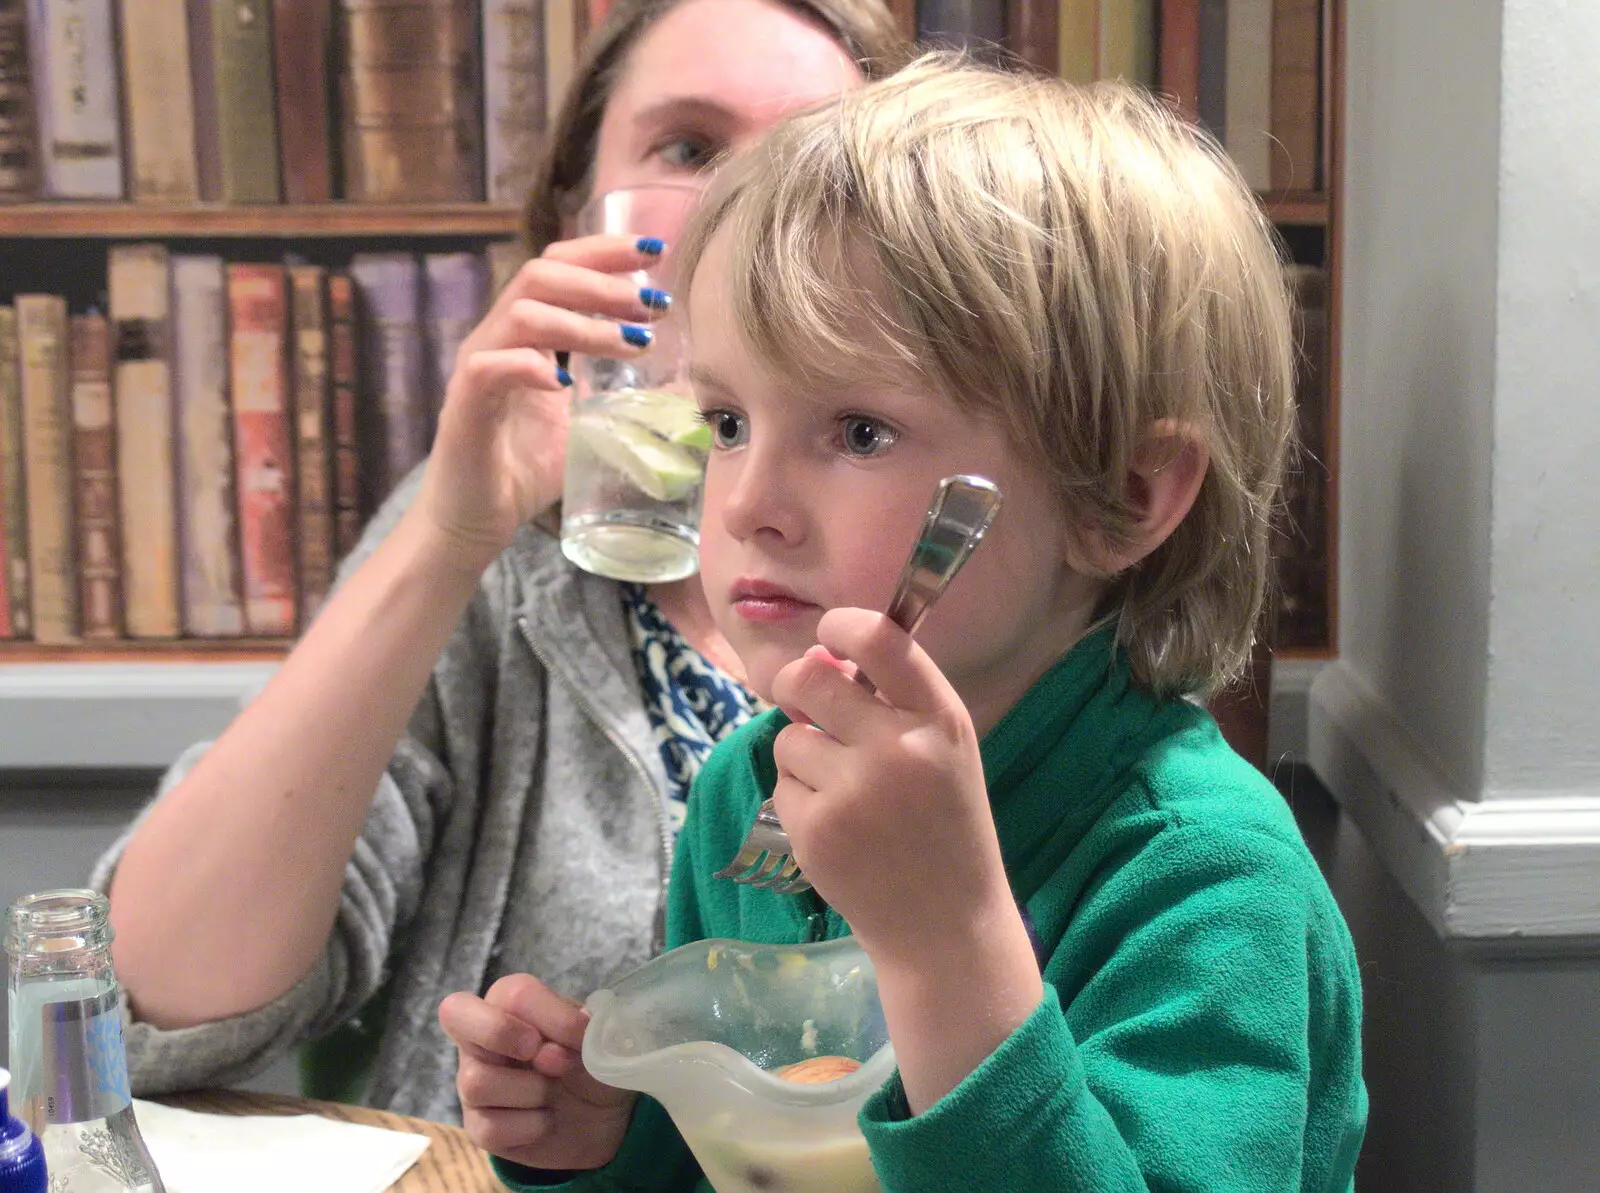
[1200, 1028]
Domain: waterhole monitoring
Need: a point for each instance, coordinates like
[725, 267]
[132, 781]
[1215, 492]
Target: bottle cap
[21, 1153]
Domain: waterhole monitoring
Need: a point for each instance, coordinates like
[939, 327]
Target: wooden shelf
[1301, 208]
[203, 221]
[186, 650]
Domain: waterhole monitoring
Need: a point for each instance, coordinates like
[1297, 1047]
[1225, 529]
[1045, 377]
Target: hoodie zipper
[659, 929]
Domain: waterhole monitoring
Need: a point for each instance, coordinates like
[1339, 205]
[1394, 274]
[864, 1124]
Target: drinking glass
[636, 455]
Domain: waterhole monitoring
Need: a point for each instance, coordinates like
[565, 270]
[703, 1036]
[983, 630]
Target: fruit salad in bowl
[762, 1054]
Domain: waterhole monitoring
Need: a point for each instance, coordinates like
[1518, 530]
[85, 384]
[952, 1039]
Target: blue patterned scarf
[691, 702]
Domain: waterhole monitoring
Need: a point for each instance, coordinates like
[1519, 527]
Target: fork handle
[960, 512]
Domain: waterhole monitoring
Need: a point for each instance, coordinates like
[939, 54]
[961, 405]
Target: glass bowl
[704, 1030]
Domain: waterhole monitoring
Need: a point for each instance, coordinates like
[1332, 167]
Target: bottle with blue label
[21, 1153]
[69, 1071]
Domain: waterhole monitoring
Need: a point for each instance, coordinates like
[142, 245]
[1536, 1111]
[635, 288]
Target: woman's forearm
[227, 893]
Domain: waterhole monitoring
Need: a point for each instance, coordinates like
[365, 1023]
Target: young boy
[1106, 959]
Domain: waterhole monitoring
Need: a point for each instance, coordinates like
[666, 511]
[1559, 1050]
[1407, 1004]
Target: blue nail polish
[656, 300]
[563, 376]
[651, 246]
[639, 337]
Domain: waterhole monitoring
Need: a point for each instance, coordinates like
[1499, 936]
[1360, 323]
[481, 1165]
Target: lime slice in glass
[672, 416]
[659, 469]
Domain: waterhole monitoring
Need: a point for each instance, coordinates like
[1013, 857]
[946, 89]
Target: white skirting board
[1503, 867]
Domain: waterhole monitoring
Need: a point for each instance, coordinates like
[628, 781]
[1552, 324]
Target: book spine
[203, 87]
[1249, 90]
[314, 504]
[302, 35]
[259, 305]
[141, 320]
[47, 464]
[457, 292]
[1128, 41]
[19, 137]
[561, 21]
[247, 122]
[392, 365]
[1178, 56]
[208, 532]
[505, 258]
[974, 24]
[94, 458]
[344, 377]
[514, 113]
[1078, 40]
[1211, 91]
[73, 56]
[13, 506]
[159, 99]
[1296, 94]
[415, 125]
[1031, 33]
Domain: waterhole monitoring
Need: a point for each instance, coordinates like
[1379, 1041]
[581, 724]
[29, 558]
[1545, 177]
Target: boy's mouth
[766, 603]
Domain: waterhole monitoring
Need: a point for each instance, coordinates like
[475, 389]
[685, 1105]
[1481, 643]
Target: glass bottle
[69, 1069]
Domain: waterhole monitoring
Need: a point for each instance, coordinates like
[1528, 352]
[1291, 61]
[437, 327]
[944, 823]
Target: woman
[457, 774]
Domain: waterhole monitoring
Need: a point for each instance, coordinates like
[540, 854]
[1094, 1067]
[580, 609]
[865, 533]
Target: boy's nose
[760, 498]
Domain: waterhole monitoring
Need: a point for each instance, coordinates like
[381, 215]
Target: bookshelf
[135, 703]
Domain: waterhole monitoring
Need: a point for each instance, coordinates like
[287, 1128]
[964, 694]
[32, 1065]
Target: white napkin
[219, 1153]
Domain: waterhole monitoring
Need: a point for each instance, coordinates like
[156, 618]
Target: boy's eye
[727, 429]
[688, 153]
[865, 436]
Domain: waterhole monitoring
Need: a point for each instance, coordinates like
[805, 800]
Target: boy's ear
[1164, 479]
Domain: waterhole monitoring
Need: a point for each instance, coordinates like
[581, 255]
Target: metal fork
[960, 512]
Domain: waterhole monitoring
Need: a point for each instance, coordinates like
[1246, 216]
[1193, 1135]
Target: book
[1211, 89]
[1078, 40]
[1031, 33]
[141, 326]
[978, 25]
[314, 435]
[412, 126]
[456, 293]
[1302, 543]
[208, 530]
[514, 113]
[1248, 85]
[1127, 43]
[392, 368]
[343, 378]
[236, 120]
[258, 306]
[1178, 55]
[47, 465]
[13, 503]
[303, 66]
[562, 22]
[95, 486]
[505, 257]
[158, 98]
[19, 139]
[72, 57]
[1296, 94]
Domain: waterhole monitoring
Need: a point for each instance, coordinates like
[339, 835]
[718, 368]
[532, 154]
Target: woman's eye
[727, 429]
[866, 436]
[688, 153]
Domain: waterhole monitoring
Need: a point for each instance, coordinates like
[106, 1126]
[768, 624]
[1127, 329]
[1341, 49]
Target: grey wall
[53, 825]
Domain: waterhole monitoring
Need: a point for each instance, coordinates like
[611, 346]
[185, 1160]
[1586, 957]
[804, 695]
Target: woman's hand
[525, 1095]
[501, 446]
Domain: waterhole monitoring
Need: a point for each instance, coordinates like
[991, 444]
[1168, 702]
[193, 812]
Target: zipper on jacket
[659, 929]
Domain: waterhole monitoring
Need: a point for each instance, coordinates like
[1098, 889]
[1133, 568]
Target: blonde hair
[865, 28]
[1071, 264]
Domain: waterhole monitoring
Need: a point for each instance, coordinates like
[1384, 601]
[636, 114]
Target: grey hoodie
[521, 826]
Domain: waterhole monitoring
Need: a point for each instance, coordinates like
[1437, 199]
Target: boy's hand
[884, 801]
[525, 1095]
[883, 796]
